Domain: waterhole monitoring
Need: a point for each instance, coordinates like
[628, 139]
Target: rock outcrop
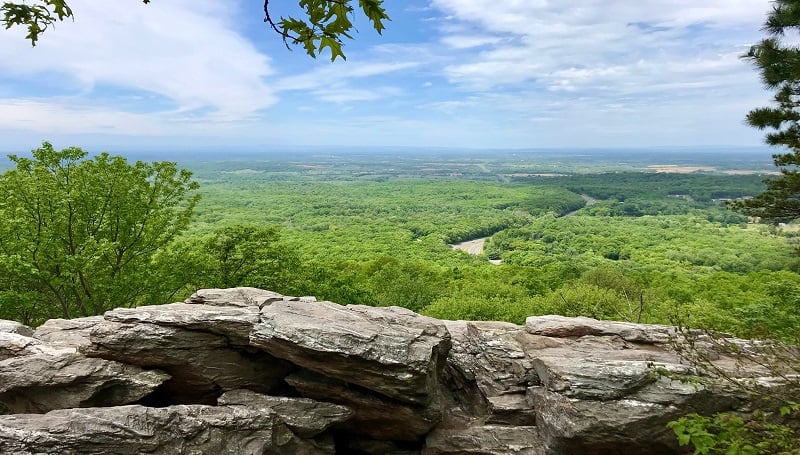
[249, 371]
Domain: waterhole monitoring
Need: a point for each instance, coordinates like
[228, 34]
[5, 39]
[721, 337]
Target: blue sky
[446, 73]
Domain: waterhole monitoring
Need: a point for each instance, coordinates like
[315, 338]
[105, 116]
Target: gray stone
[124, 430]
[486, 440]
[512, 409]
[491, 354]
[305, 417]
[489, 370]
[241, 297]
[40, 383]
[202, 365]
[570, 425]
[370, 380]
[564, 327]
[67, 332]
[233, 322]
[16, 345]
[392, 351]
[15, 327]
[594, 378]
[374, 416]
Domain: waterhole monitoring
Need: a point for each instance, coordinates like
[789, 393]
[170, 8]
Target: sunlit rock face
[249, 371]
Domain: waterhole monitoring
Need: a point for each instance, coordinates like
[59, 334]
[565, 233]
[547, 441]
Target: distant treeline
[621, 186]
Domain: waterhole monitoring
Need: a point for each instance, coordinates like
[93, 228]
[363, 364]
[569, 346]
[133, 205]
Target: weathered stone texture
[248, 371]
[184, 429]
[40, 383]
[391, 351]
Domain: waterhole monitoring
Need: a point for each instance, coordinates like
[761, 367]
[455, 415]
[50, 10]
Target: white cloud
[186, 52]
[558, 44]
[620, 71]
[333, 83]
[468, 41]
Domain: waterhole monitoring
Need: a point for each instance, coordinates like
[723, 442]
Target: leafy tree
[779, 64]
[238, 255]
[78, 234]
[324, 24]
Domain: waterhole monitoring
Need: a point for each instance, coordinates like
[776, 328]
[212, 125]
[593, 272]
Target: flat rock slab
[567, 327]
[40, 383]
[392, 351]
[233, 322]
[16, 345]
[240, 297]
[182, 429]
[594, 378]
[67, 332]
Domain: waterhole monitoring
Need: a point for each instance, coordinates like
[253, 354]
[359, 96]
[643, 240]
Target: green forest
[626, 244]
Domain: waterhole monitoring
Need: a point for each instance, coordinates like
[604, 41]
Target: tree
[78, 234]
[239, 255]
[779, 64]
[324, 24]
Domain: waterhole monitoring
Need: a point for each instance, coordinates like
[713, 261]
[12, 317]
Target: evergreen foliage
[779, 64]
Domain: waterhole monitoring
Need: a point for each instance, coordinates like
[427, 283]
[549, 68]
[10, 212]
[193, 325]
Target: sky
[527, 74]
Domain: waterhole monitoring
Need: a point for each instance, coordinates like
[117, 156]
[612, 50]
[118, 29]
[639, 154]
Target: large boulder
[607, 385]
[39, 383]
[233, 322]
[239, 297]
[200, 346]
[391, 351]
[569, 327]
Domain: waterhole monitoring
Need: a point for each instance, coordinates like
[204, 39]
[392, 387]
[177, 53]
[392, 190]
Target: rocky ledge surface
[247, 371]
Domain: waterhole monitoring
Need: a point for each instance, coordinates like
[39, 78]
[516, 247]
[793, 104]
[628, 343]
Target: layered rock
[37, 377]
[305, 417]
[391, 351]
[374, 416]
[251, 371]
[204, 349]
[605, 385]
[39, 383]
[189, 429]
